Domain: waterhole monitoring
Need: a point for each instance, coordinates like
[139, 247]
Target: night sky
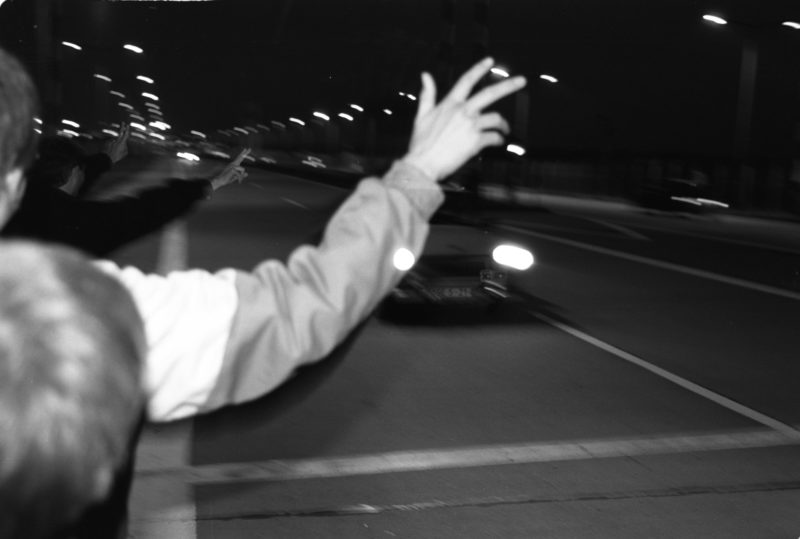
[643, 75]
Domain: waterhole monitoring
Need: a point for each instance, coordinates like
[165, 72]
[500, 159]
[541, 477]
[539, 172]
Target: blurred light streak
[118, 94]
[198, 133]
[158, 136]
[242, 131]
[133, 48]
[792, 24]
[188, 156]
[714, 19]
[359, 108]
[322, 116]
[72, 45]
[68, 133]
[513, 256]
[548, 78]
[142, 78]
[403, 259]
[125, 106]
[150, 96]
[137, 117]
[38, 121]
[345, 116]
[515, 149]
[297, 121]
[138, 126]
[111, 132]
[71, 123]
[500, 72]
[101, 77]
[387, 112]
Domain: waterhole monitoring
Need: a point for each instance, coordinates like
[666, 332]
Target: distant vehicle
[680, 194]
[462, 265]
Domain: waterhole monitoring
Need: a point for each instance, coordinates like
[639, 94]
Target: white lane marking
[475, 456]
[721, 239]
[661, 264]
[160, 507]
[697, 389]
[288, 200]
[293, 202]
[619, 228]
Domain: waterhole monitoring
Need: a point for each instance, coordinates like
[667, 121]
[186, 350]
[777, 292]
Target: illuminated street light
[197, 133]
[158, 136]
[118, 94]
[133, 48]
[549, 78]
[322, 116]
[500, 72]
[111, 132]
[101, 77]
[148, 95]
[242, 131]
[792, 24]
[125, 105]
[411, 97]
[68, 133]
[387, 112]
[278, 124]
[72, 45]
[345, 116]
[138, 126]
[142, 78]
[516, 149]
[76, 125]
[359, 108]
[38, 121]
[137, 117]
[715, 19]
[297, 121]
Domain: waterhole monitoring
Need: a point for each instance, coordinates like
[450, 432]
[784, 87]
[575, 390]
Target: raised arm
[229, 337]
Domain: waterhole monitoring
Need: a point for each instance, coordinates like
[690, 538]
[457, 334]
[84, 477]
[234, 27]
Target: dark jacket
[98, 227]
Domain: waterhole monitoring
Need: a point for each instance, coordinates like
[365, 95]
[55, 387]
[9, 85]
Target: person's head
[71, 346]
[59, 163]
[19, 106]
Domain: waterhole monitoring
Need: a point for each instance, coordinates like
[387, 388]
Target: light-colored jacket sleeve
[233, 336]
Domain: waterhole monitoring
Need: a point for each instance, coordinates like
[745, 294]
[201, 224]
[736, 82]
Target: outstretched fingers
[495, 92]
[427, 96]
[463, 87]
[493, 121]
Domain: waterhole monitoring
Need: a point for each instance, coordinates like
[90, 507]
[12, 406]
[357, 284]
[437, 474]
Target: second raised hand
[446, 135]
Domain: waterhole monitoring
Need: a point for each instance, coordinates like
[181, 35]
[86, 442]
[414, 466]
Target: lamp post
[748, 69]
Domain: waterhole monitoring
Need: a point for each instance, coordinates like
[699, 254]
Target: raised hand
[117, 148]
[233, 171]
[447, 135]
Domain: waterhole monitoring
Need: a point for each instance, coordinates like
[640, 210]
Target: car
[462, 265]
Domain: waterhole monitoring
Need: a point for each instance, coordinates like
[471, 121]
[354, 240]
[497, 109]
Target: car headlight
[513, 256]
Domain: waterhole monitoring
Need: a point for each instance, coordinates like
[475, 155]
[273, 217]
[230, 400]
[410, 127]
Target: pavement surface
[647, 389]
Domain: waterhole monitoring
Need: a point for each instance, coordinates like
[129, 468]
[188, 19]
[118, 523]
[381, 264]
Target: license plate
[452, 292]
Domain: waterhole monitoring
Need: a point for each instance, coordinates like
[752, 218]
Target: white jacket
[231, 336]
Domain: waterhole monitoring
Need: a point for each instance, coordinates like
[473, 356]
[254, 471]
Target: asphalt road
[647, 389]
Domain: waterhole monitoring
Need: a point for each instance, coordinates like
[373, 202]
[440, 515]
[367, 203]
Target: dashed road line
[470, 457]
[733, 281]
[294, 203]
[619, 228]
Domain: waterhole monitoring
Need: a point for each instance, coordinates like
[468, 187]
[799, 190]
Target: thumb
[427, 96]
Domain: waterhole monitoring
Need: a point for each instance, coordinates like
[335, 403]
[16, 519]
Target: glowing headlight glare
[403, 259]
[513, 257]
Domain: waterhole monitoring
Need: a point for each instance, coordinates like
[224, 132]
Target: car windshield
[606, 345]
